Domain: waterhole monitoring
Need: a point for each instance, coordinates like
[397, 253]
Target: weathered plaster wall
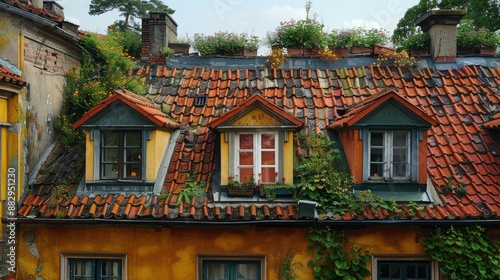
[171, 252]
[44, 58]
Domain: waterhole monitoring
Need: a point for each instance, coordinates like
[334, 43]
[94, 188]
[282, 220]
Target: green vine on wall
[334, 258]
[464, 253]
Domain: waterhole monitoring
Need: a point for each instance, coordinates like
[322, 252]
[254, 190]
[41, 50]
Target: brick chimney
[441, 25]
[157, 30]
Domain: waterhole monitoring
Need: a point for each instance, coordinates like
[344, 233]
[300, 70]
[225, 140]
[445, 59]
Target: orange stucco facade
[171, 252]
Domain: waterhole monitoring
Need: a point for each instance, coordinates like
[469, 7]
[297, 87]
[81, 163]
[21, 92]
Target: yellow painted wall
[224, 159]
[171, 252]
[155, 150]
[258, 117]
[89, 157]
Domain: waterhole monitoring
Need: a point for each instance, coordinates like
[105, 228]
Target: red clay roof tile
[454, 146]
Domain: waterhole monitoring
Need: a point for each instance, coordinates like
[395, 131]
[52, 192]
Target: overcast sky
[255, 16]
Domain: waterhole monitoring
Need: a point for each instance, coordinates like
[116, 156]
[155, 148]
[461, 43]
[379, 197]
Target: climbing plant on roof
[105, 66]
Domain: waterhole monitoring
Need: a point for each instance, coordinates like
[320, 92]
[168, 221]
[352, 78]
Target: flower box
[241, 190]
[311, 52]
[180, 48]
[487, 50]
[295, 51]
[238, 52]
[341, 52]
[420, 52]
[361, 50]
[249, 53]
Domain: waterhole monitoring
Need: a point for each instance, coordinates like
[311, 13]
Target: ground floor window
[404, 270]
[405, 267]
[76, 267]
[211, 267]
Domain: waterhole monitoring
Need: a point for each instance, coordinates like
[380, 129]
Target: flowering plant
[234, 183]
[277, 58]
[416, 41]
[369, 37]
[467, 36]
[339, 39]
[222, 42]
[328, 55]
[302, 33]
[398, 59]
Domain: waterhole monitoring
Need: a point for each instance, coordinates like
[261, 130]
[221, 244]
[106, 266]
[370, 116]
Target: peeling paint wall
[171, 252]
[44, 57]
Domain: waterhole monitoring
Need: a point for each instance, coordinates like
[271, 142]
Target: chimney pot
[441, 25]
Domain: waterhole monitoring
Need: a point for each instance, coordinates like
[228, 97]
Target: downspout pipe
[40, 20]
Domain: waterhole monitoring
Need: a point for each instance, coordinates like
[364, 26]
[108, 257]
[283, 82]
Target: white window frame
[200, 258]
[401, 258]
[387, 162]
[257, 160]
[66, 257]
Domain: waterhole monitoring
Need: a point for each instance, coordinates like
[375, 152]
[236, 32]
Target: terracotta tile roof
[8, 76]
[461, 100]
[360, 110]
[142, 105]
[34, 10]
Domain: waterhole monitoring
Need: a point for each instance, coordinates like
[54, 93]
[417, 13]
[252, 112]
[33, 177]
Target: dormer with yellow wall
[256, 141]
[126, 140]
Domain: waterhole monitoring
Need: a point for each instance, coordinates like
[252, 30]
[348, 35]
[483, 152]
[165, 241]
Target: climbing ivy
[464, 253]
[318, 177]
[334, 258]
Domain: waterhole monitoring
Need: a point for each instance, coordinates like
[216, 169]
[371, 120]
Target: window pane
[376, 170]
[110, 155]
[133, 170]
[246, 158]
[110, 139]
[246, 173]
[132, 139]
[133, 155]
[377, 155]
[246, 271]
[377, 139]
[110, 170]
[268, 141]
[246, 141]
[268, 175]
[400, 138]
[217, 271]
[400, 155]
[268, 158]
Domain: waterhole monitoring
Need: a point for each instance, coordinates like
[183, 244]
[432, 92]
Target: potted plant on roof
[364, 40]
[471, 40]
[244, 188]
[417, 44]
[339, 42]
[205, 45]
[180, 46]
[300, 35]
[251, 45]
[280, 189]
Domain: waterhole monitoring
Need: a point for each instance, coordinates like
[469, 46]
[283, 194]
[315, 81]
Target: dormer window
[257, 156]
[126, 140]
[121, 155]
[389, 153]
[386, 134]
[256, 143]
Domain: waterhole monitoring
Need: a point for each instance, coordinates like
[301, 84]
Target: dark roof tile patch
[460, 148]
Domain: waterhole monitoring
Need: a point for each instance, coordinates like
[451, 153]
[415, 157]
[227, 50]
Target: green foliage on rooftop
[105, 67]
